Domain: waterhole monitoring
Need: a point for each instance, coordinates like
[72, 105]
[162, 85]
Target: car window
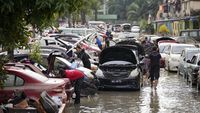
[184, 33]
[58, 65]
[10, 80]
[167, 49]
[194, 59]
[44, 61]
[183, 54]
[193, 33]
[13, 80]
[179, 49]
[161, 48]
[19, 81]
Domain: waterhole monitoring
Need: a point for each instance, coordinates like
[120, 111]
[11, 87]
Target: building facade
[178, 15]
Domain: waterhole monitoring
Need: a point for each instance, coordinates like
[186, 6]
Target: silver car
[185, 57]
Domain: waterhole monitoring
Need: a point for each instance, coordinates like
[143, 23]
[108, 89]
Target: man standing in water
[154, 66]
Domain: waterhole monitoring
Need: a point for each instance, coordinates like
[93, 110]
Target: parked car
[193, 69]
[119, 68]
[173, 53]
[162, 48]
[32, 83]
[58, 64]
[185, 58]
[165, 40]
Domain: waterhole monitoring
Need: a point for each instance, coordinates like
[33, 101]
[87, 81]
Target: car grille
[116, 74]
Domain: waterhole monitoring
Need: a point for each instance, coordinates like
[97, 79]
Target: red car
[32, 84]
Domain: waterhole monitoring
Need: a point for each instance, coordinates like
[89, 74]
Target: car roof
[181, 44]
[188, 49]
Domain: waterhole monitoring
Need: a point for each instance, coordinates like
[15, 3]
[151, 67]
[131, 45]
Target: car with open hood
[119, 68]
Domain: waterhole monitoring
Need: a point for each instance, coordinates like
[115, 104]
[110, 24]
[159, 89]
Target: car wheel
[140, 81]
[165, 67]
[168, 67]
[178, 72]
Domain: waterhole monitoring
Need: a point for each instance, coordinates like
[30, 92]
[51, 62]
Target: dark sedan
[119, 68]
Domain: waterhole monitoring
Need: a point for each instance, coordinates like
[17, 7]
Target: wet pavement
[173, 95]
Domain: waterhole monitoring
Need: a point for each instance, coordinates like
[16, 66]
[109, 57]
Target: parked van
[192, 33]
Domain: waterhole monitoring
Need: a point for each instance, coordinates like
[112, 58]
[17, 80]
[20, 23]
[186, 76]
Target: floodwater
[173, 95]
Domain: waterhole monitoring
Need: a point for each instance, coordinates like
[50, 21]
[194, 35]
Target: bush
[35, 53]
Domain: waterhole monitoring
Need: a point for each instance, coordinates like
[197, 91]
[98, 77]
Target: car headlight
[134, 73]
[99, 73]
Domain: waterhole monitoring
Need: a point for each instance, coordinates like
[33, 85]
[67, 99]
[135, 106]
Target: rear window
[179, 49]
[193, 34]
[34, 75]
[184, 33]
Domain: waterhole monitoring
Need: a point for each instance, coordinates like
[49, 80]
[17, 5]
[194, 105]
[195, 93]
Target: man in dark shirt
[154, 66]
[84, 57]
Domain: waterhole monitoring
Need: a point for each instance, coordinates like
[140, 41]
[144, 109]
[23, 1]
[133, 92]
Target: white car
[162, 48]
[173, 52]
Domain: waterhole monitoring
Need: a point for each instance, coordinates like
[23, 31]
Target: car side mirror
[188, 61]
[198, 63]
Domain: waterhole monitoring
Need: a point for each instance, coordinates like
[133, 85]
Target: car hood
[117, 53]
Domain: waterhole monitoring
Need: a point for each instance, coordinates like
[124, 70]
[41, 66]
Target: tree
[119, 7]
[16, 15]
[140, 9]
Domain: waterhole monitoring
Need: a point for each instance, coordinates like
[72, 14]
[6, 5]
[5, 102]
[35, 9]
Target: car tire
[168, 67]
[140, 81]
[178, 72]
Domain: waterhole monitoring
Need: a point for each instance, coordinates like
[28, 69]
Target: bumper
[162, 63]
[119, 83]
[173, 65]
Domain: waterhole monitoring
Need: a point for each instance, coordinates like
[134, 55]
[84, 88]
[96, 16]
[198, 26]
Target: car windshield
[161, 48]
[191, 54]
[178, 49]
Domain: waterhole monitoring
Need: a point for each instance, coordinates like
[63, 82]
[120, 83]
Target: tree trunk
[11, 53]
[69, 21]
[83, 18]
[95, 14]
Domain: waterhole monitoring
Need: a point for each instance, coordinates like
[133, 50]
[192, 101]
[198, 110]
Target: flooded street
[173, 95]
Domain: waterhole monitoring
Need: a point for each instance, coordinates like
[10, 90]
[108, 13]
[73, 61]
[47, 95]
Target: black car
[119, 67]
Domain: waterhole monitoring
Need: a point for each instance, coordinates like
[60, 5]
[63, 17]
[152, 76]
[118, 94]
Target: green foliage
[133, 10]
[143, 24]
[119, 7]
[15, 15]
[140, 9]
[3, 77]
[35, 53]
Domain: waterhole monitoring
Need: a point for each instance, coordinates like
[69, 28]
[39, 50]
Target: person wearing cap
[83, 56]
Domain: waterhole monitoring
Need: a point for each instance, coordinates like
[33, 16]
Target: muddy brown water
[173, 95]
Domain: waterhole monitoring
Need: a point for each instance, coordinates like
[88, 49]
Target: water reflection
[173, 95]
[154, 101]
